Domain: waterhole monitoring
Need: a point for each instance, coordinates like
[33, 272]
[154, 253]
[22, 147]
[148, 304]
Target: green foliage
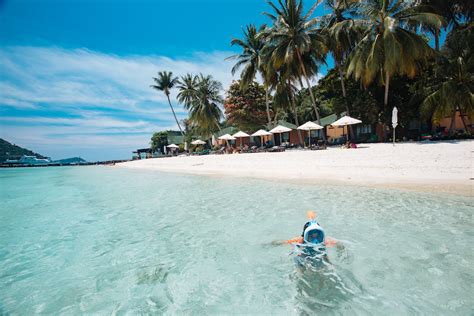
[454, 85]
[11, 151]
[158, 140]
[246, 108]
[165, 82]
[201, 96]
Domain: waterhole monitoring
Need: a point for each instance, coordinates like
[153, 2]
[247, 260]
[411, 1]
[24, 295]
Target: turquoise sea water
[115, 241]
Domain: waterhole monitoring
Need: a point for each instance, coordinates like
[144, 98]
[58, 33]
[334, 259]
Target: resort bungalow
[174, 137]
[337, 135]
[276, 139]
[290, 138]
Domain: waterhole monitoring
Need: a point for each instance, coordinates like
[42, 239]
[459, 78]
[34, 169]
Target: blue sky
[75, 75]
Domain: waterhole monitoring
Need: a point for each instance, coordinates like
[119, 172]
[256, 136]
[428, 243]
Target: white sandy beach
[422, 166]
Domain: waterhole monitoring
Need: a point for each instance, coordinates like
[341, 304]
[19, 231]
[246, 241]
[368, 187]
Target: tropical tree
[342, 34]
[165, 82]
[246, 108]
[388, 47]
[453, 91]
[159, 140]
[251, 59]
[201, 96]
[294, 39]
[187, 87]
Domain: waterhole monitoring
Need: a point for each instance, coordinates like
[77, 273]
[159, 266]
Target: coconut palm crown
[252, 60]
[165, 82]
[294, 39]
[388, 47]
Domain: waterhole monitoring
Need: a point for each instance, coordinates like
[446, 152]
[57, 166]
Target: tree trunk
[452, 127]
[267, 104]
[385, 102]
[295, 113]
[464, 123]
[436, 38]
[313, 100]
[343, 87]
[175, 118]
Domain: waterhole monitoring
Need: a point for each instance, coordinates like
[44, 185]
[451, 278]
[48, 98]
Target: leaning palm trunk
[452, 127]
[464, 123]
[295, 113]
[385, 102]
[343, 87]
[313, 99]
[174, 114]
[267, 104]
[436, 37]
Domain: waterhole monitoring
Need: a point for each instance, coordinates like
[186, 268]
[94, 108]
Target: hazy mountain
[74, 160]
[12, 151]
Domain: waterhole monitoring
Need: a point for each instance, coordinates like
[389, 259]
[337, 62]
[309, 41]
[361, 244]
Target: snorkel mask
[313, 234]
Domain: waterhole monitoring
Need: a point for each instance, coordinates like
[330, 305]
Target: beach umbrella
[308, 126]
[173, 146]
[280, 129]
[240, 135]
[198, 142]
[345, 121]
[226, 137]
[394, 121]
[261, 133]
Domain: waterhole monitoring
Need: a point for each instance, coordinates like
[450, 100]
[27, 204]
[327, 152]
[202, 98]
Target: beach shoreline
[441, 167]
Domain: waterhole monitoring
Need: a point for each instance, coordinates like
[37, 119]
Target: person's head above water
[311, 215]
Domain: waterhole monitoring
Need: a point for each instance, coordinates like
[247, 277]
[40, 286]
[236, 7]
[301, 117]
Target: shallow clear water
[109, 240]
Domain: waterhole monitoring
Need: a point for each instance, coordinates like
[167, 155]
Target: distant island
[9, 151]
[12, 155]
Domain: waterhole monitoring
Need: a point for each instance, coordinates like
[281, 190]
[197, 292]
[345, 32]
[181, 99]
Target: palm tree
[165, 82]
[455, 92]
[251, 59]
[439, 7]
[187, 87]
[388, 47]
[295, 39]
[201, 96]
[342, 34]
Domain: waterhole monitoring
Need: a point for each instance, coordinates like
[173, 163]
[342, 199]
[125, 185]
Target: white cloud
[51, 91]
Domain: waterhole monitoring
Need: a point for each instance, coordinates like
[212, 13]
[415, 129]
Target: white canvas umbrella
[280, 129]
[308, 126]
[346, 120]
[261, 133]
[227, 137]
[394, 121]
[198, 142]
[173, 147]
[240, 135]
[164, 150]
[213, 141]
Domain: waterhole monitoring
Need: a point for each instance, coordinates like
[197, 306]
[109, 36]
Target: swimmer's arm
[331, 242]
[296, 240]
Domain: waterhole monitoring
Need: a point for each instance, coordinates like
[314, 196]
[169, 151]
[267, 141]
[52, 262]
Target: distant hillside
[11, 151]
[74, 160]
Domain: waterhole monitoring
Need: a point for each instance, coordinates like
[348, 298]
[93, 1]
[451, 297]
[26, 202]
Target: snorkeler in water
[312, 233]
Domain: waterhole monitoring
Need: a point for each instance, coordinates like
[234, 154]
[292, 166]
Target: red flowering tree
[246, 109]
